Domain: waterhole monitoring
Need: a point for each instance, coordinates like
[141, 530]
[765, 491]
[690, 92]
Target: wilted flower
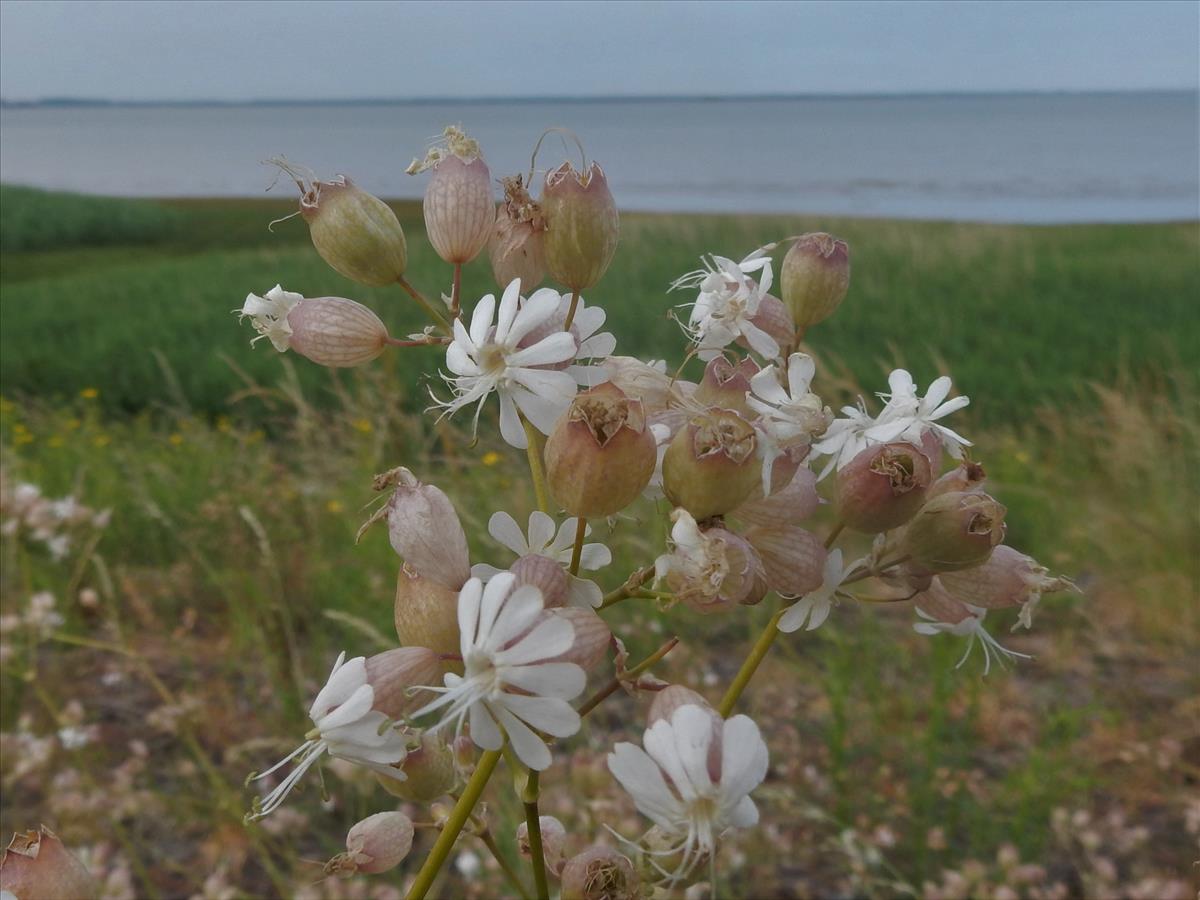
[1008, 578]
[488, 359]
[710, 570]
[351, 724]
[516, 247]
[883, 487]
[814, 607]
[331, 331]
[424, 529]
[508, 682]
[376, 844]
[728, 302]
[543, 539]
[691, 793]
[944, 614]
[954, 531]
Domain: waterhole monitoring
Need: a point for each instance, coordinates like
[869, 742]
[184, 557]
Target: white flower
[487, 359]
[347, 727]
[910, 416]
[729, 298]
[970, 627]
[543, 540]
[814, 607]
[594, 344]
[662, 439]
[674, 785]
[698, 560]
[788, 415]
[268, 315]
[507, 644]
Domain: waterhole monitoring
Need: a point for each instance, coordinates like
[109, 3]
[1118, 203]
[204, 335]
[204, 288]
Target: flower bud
[793, 558]
[393, 672]
[955, 531]
[883, 487]
[725, 385]
[789, 505]
[554, 841]
[516, 247]
[426, 613]
[967, 477]
[815, 277]
[459, 210]
[601, 454]
[710, 570]
[1008, 578]
[592, 637]
[355, 232]
[582, 225]
[424, 529]
[36, 866]
[335, 332]
[429, 771]
[376, 844]
[711, 466]
[600, 873]
[546, 575]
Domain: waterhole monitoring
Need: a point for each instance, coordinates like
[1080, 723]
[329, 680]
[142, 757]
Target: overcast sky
[171, 49]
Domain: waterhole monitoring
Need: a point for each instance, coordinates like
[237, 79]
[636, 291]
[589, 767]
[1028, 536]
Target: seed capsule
[458, 207]
[725, 384]
[815, 277]
[335, 332]
[424, 529]
[554, 841]
[601, 454]
[355, 232]
[426, 613]
[582, 225]
[883, 487]
[955, 531]
[600, 873]
[429, 771]
[36, 866]
[711, 466]
[392, 673]
[376, 844]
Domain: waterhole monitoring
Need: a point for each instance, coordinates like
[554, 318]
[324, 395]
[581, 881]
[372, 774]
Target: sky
[247, 49]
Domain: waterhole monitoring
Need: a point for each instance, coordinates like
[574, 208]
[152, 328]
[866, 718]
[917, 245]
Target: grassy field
[197, 621]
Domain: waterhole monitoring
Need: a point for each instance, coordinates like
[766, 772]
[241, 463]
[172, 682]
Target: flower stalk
[537, 858]
[757, 653]
[459, 817]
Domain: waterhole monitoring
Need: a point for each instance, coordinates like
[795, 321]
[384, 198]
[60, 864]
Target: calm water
[1131, 157]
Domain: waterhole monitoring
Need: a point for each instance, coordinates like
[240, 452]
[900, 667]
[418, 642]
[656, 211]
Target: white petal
[554, 348]
[693, 728]
[644, 782]
[537, 309]
[552, 715]
[594, 556]
[554, 679]
[504, 528]
[523, 608]
[659, 741]
[511, 428]
[543, 411]
[530, 748]
[481, 319]
[541, 531]
[743, 757]
[550, 638]
[484, 731]
[583, 593]
[495, 592]
[509, 304]
[760, 342]
[468, 613]
[744, 815]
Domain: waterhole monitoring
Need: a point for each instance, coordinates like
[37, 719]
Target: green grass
[1088, 302]
[34, 220]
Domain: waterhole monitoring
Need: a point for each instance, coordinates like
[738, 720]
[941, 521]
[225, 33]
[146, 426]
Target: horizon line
[67, 100]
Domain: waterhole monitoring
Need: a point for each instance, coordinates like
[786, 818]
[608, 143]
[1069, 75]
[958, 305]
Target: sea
[1029, 158]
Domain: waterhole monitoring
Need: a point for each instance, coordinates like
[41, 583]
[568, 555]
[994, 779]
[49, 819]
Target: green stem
[750, 666]
[455, 291]
[533, 449]
[571, 311]
[625, 591]
[454, 825]
[611, 688]
[577, 550]
[833, 535]
[490, 842]
[533, 824]
[430, 311]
